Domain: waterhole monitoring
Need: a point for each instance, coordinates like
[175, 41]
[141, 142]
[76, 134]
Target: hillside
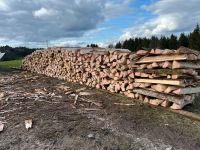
[15, 53]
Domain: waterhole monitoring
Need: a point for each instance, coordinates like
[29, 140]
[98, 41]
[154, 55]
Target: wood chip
[1, 126]
[28, 123]
[124, 104]
[85, 93]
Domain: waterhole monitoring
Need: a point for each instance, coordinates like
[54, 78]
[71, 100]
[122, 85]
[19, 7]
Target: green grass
[10, 64]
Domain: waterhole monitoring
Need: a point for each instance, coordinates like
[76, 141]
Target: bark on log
[176, 99]
[182, 64]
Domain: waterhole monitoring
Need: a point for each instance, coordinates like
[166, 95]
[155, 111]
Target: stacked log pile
[167, 78]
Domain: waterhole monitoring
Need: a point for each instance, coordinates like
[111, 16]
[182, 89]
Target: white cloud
[171, 16]
[42, 12]
[3, 5]
[37, 21]
[115, 8]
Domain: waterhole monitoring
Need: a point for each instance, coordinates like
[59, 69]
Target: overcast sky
[79, 22]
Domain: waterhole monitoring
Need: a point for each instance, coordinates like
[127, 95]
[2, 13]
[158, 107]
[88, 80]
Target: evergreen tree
[192, 41]
[194, 38]
[183, 40]
[173, 43]
[163, 42]
[153, 42]
[118, 45]
[145, 43]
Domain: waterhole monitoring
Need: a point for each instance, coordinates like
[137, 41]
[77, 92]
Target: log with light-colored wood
[167, 82]
[182, 64]
[159, 87]
[164, 58]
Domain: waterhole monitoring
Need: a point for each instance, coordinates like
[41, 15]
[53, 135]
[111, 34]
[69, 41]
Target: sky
[76, 23]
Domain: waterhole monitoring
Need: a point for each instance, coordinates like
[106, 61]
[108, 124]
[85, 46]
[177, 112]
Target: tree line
[15, 53]
[191, 40]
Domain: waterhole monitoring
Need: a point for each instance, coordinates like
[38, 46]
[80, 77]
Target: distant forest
[15, 53]
[191, 40]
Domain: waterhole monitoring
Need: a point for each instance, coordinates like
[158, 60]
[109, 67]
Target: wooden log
[144, 75]
[156, 102]
[167, 64]
[185, 50]
[168, 71]
[159, 87]
[164, 58]
[167, 82]
[138, 74]
[168, 52]
[144, 85]
[154, 65]
[146, 100]
[152, 51]
[170, 89]
[173, 98]
[132, 75]
[182, 64]
[141, 52]
[149, 66]
[142, 66]
[158, 51]
[136, 84]
[165, 103]
[188, 90]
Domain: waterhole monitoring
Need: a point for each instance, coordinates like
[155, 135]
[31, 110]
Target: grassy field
[10, 64]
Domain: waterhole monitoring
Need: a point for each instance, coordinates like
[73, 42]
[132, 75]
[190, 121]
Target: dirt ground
[92, 121]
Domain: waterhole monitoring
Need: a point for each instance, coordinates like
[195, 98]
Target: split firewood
[167, 52]
[168, 75]
[141, 52]
[167, 64]
[159, 87]
[146, 100]
[165, 103]
[182, 64]
[152, 51]
[170, 89]
[142, 66]
[154, 65]
[155, 102]
[158, 51]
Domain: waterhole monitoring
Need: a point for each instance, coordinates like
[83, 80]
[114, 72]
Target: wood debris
[28, 123]
[1, 126]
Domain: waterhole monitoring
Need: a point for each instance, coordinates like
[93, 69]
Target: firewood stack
[168, 78]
